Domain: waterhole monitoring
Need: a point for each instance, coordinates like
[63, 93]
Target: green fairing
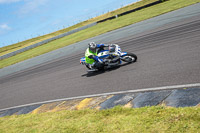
[88, 53]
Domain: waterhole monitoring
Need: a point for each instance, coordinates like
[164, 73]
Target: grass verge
[147, 119]
[100, 28]
[17, 46]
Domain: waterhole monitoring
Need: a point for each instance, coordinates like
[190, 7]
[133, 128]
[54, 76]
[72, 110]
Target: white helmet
[92, 47]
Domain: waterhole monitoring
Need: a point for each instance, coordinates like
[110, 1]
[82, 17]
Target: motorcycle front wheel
[130, 58]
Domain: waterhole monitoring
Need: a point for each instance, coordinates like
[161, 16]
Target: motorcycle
[111, 59]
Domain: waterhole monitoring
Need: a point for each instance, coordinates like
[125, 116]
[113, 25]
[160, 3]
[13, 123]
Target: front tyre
[130, 58]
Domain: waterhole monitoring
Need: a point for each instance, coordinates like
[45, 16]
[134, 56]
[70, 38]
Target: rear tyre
[130, 58]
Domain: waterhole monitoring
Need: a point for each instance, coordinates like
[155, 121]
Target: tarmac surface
[109, 37]
[167, 55]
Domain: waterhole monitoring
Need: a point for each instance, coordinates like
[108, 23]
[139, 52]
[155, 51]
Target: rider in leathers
[91, 55]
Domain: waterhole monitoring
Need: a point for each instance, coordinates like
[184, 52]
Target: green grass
[117, 120]
[101, 28]
[32, 41]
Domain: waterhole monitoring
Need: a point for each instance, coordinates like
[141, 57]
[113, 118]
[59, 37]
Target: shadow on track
[91, 74]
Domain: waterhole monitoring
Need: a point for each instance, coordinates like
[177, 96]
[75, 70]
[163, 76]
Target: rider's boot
[92, 68]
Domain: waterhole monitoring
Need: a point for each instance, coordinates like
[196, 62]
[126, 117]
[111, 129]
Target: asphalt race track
[167, 55]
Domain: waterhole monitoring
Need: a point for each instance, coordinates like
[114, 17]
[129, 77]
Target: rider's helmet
[92, 47]
[112, 48]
